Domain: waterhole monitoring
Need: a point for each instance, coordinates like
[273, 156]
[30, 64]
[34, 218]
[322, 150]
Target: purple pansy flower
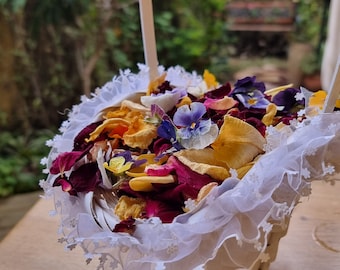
[250, 93]
[248, 84]
[287, 100]
[193, 131]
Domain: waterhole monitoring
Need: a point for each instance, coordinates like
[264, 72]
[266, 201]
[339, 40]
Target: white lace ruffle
[234, 221]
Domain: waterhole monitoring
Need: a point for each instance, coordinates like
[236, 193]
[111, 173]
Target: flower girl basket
[232, 227]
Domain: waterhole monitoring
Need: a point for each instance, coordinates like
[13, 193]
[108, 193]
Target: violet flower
[250, 93]
[193, 131]
[287, 100]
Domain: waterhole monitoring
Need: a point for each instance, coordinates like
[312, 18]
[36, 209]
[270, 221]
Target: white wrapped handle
[334, 91]
[149, 40]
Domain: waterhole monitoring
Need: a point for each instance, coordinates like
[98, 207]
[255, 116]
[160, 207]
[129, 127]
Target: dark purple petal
[248, 84]
[66, 186]
[244, 85]
[260, 86]
[65, 161]
[161, 145]
[190, 180]
[126, 155]
[86, 178]
[79, 141]
[220, 92]
[165, 86]
[287, 99]
[165, 211]
[125, 226]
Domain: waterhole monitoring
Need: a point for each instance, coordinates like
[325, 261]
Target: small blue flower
[167, 131]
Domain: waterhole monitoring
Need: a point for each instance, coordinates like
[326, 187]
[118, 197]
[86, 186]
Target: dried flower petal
[238, 143]
[128, 207]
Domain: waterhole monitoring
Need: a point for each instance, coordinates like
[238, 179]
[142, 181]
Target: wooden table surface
[32, 244]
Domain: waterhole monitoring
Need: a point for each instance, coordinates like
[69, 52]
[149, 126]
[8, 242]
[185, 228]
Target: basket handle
[334, 91]
[149, 40]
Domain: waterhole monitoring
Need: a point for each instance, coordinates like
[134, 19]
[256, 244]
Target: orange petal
[107, 126]
[220, 104]
[140, 134]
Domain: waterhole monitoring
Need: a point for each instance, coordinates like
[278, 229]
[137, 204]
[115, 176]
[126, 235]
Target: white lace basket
[231, 228]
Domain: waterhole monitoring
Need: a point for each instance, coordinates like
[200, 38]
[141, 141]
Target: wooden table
[32, 244]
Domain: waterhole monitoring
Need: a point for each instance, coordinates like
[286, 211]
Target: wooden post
[149, 40]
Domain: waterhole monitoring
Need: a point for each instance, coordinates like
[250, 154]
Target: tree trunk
[11, 113]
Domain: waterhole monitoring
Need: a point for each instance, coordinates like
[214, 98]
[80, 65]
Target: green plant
[20, 156]
[309, 21]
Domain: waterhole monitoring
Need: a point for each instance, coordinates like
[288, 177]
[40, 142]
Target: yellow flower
[150, 159]
[117, 165]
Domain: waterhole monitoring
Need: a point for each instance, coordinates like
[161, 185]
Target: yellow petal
[238, 143]
[337, 104]
[203, 161]
[204, 191]
[271, 111]
[129, 207]
[140, 134]
[144, 183]
[272, 92]
[184, 101]
[153, 86]
[318, 99]
[241, 172]
[210, 79]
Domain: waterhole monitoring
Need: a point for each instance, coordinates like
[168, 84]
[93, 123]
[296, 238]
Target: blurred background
[54, 51]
